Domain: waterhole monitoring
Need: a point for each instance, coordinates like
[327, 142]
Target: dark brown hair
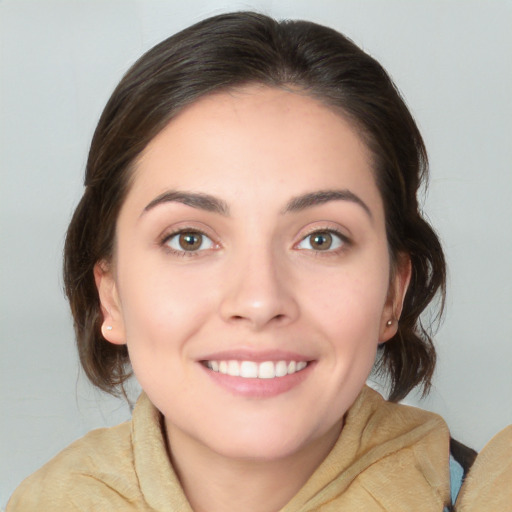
[227, 51]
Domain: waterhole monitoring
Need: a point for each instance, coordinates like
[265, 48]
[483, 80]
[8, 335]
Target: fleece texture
[388, 458]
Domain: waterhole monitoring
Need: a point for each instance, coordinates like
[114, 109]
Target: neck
[215, 483]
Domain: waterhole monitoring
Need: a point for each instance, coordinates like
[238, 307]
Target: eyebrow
[194, 199]
[211, 203]
[320, 197]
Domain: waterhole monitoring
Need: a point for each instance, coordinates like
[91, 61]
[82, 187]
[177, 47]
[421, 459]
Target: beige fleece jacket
[389, 457]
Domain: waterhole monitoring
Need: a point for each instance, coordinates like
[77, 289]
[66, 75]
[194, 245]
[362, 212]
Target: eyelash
[168, 237]
[344, 242]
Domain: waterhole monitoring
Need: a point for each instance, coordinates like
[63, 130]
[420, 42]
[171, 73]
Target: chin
[267, 442]
[262, 449]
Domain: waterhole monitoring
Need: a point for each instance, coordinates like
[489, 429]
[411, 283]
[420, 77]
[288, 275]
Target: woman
[249, 243]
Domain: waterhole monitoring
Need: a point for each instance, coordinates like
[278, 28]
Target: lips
[257, 374]
[256, 370]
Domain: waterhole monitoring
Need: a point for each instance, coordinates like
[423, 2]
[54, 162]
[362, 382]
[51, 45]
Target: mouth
[256, 370]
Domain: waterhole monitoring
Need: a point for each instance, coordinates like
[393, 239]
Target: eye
[325, 240]
[189, 241]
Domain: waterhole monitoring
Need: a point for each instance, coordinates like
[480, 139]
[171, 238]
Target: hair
[228, 51]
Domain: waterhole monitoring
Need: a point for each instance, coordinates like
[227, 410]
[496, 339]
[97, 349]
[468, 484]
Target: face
[251, 279]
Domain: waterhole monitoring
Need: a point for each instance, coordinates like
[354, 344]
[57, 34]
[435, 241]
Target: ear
[112, 327]
[398, 285]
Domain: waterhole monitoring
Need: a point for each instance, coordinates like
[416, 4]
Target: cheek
[161, 315]
[160, 306]
[348, 314]
[348, 301]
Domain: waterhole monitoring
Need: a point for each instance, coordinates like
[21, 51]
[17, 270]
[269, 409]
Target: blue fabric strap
[456, 476]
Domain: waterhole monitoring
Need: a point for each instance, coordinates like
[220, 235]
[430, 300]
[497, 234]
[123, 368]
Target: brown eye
[323, 241]
[189, 241]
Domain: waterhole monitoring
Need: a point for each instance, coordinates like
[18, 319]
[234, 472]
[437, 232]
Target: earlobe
[397, 290]
[112, 327]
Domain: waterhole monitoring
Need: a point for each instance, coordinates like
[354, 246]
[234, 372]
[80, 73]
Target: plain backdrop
[60, 60]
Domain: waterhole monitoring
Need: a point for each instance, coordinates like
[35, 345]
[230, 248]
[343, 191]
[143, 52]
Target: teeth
[253, 370]
[281, 369]
[249, 369]
[233, 368]
[267, 370]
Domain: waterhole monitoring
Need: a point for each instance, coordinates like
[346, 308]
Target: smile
[254, 370]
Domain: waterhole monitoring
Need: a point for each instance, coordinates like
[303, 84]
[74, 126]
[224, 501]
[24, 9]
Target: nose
[258, 291]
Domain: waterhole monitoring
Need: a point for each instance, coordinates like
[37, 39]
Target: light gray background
[59, 63]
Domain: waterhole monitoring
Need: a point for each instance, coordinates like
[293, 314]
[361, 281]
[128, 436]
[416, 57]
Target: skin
[257, 285]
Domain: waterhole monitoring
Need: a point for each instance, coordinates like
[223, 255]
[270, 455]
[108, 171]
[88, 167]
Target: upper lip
[255, 355]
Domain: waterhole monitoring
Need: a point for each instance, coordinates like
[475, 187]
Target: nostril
[277, 318]
[259, 308]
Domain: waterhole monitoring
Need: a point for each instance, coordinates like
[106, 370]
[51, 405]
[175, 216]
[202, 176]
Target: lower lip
[259, 388]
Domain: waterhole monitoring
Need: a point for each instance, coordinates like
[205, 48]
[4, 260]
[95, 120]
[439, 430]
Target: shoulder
[79, 477]
[488, 483]
[388, 419]
[391, 456]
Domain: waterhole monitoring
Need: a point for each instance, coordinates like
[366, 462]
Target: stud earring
[389, 323]
[108, 327]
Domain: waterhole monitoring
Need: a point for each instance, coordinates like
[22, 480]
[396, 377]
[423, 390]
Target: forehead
[256, 137]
